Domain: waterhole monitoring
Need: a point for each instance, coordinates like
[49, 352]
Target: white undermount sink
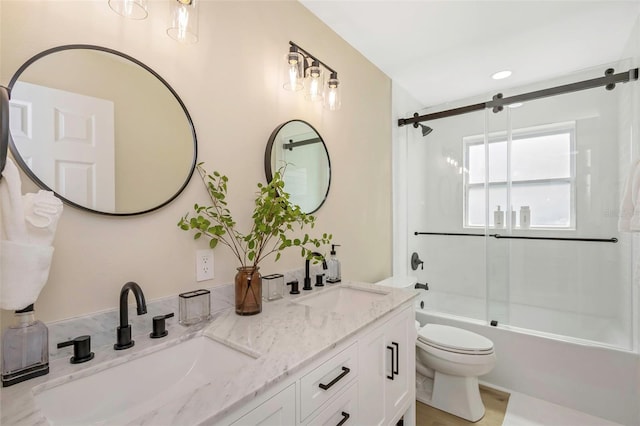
[133, 388]
[343, 299]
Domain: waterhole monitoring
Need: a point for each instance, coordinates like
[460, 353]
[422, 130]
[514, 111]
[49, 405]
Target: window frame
[516, 134]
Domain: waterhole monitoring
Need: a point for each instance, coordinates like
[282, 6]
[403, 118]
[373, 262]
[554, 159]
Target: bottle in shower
[25, 348]
[498, 218]
[525, 217]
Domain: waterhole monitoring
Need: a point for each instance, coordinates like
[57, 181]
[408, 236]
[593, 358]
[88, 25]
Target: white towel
[29, 224]
[41, 213]
[12, 213]
[629, 219]
[24, 270]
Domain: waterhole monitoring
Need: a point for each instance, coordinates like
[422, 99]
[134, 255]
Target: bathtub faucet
[424, 286]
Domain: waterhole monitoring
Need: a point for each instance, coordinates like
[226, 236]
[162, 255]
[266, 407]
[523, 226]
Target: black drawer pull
[392, 361]
[345, 371]
[397, 367]
[345, 417]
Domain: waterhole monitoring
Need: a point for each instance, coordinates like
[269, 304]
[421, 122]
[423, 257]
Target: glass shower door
[564, 162]
[454, 265]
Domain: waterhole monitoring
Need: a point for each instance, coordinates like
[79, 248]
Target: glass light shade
[132, 9]
[293, 70]
[313, 82]
[183, 20]
[331, 96]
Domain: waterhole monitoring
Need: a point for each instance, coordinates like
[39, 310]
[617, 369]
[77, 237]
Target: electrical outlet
[204, 265]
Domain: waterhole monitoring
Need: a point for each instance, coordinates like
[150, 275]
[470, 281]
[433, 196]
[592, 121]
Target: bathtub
[597, 380]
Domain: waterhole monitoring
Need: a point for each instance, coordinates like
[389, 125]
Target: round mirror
[102, 130]
[307, 176]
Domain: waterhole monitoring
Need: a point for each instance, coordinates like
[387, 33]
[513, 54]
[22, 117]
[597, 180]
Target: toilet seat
[455, 340]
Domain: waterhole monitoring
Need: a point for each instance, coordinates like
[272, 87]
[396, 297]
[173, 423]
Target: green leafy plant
[273, 217]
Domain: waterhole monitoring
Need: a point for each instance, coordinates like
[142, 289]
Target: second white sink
[128, 390]
[343, 299]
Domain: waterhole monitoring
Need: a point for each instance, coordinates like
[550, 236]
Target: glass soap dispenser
[25, 348]
[333, 275]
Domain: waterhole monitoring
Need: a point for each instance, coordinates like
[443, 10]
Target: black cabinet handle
[345, 417]
[345, 371]
[392, 362]
[397, 367]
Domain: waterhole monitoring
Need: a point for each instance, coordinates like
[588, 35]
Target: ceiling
[441, 51]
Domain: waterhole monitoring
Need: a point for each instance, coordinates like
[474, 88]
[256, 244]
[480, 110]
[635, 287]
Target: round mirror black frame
[37, 181]
[268, 170]
[4, 127]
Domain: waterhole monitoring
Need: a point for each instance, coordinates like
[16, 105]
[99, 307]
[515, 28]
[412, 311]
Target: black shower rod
[291, 144]
[498, 102]
[517, 237]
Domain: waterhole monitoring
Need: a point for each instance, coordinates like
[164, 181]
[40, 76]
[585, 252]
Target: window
[536, 170]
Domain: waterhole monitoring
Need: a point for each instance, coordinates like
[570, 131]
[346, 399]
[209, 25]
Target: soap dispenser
[333, 275]
[25, 348]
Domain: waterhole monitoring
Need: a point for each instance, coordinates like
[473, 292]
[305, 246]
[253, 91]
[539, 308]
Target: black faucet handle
[159, 326]
[81, 349]
[294, 287]
[319, 280]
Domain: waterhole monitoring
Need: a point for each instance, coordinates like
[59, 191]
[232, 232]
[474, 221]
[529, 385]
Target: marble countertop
[285, 337]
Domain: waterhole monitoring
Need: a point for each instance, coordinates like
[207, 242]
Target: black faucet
[124, 329]
[307, 279]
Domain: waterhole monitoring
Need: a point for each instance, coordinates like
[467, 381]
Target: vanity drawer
[327, 380]
[343, 410]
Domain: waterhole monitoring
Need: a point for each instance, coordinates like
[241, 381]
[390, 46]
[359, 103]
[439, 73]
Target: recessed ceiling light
[515, 105]
[501, 75]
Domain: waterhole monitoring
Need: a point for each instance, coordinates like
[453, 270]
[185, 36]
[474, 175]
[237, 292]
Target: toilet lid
[454, 339]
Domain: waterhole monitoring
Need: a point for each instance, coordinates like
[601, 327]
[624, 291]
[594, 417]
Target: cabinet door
[279, 410]
[400, 336]
[372, 363]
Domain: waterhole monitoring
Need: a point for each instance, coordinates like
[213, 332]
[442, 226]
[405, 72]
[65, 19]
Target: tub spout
[424, 286]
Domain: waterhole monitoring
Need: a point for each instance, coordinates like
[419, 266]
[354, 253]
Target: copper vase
[248, 291]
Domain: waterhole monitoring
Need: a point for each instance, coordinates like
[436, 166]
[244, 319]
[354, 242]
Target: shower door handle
[392, 362]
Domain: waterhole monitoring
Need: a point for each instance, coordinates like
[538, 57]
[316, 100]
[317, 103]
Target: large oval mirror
[102, 130]
[307, 176]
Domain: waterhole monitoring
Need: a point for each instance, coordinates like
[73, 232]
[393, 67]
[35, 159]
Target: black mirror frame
[268, 170]
[37, 181]
[4, 127]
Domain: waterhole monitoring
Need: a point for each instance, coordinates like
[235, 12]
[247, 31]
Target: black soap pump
[333, 275]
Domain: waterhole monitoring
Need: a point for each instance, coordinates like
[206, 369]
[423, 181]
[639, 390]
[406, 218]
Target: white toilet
[453, 358]
[448, 363]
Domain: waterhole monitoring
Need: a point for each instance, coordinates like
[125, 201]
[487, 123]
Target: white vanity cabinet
[387, 370]
[367, 380]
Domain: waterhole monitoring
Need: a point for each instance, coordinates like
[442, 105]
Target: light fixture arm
[307, 55]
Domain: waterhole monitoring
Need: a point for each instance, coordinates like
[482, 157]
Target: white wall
[229, 82]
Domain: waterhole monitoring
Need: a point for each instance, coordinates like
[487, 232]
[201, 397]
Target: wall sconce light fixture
[304, 71]
[183, 16]
[183, 20]
[132, 9]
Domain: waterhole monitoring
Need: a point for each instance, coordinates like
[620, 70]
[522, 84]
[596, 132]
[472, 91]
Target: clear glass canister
[273, 286]
[195, 306]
